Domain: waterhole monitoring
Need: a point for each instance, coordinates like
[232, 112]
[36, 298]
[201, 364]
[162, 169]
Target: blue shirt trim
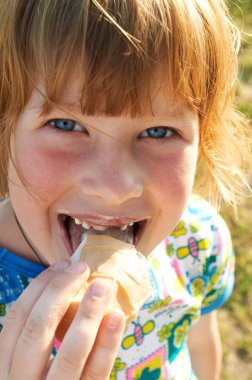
[220, 300]
[14, 263]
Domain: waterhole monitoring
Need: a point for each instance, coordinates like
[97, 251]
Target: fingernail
[77, 267]
[60, 265]
[100, 287]
[113, 320]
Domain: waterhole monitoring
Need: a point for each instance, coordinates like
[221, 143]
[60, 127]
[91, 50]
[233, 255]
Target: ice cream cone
[108, 257]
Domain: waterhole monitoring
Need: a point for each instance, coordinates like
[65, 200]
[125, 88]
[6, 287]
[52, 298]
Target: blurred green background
[235, 318]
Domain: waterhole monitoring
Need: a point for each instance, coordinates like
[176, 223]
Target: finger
[80, 337]
[18, 315]
[37, 337]
[102, 357]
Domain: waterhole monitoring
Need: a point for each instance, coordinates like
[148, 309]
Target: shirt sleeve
[203, 252]
[218, 268]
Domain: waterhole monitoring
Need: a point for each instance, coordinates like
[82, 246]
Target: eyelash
[52, 123]
[163, 130]
[145, 134]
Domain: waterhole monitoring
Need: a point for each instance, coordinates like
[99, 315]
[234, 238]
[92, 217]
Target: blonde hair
[120, 44]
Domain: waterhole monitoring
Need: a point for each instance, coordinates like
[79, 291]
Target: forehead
[157, 102]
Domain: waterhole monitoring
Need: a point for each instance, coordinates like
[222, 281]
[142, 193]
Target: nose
[112, 174]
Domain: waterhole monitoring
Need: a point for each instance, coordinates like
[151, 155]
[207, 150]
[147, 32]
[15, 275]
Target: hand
[90, 345]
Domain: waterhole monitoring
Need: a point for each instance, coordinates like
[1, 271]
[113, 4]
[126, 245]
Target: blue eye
[66, 125]
[157, 132]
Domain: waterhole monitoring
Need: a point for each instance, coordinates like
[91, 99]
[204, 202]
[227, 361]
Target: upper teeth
[85, 225]
[99, 228]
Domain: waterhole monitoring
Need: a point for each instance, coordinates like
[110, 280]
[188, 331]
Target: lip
[105, 220]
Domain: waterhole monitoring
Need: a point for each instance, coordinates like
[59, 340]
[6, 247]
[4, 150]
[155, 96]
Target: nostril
[114, 196]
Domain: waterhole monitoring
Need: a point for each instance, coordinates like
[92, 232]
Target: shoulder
[202, 249]
[201, 220]
[201, 240]
[202, 212]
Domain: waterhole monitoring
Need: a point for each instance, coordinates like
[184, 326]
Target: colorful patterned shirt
[191, 272]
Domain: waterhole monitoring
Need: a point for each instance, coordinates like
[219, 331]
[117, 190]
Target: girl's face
[106, 172]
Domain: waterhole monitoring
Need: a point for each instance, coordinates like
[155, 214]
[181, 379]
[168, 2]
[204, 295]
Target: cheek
[42, 169]
[174, 174]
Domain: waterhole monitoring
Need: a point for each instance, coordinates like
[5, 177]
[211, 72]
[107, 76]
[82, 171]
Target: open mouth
[74, 229]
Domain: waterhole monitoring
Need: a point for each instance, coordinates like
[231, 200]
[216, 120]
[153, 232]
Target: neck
[27, 239]
[12, 236]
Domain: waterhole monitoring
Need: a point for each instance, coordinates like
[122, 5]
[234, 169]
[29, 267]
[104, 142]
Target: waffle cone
[114, 259]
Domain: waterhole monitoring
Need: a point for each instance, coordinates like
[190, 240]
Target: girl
[109, 110]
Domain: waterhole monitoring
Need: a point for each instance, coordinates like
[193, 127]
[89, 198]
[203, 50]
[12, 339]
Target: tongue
[116, 232]
[76, 232]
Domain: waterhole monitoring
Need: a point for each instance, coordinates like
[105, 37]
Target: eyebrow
[173, 110]
[169, 112]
